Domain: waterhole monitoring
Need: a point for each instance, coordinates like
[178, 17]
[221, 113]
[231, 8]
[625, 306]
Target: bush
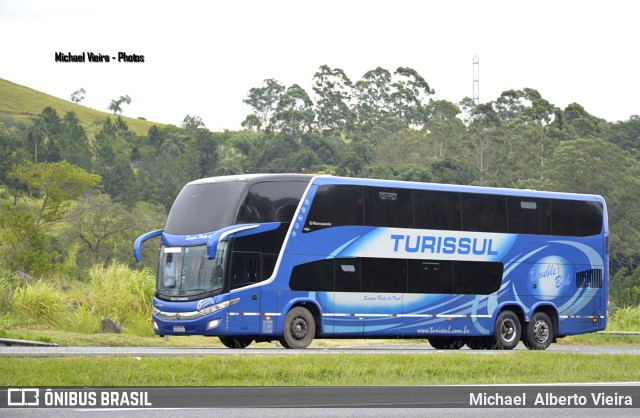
[84, 320]
[120, 293]
[42, 303]
[625, 319]
[6, 294]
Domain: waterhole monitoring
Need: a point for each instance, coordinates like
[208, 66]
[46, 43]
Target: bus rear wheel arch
[539, 332]
[299, 329]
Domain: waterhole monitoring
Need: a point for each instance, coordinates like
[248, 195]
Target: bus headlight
[218, 306]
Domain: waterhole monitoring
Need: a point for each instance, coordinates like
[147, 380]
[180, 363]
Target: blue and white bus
[291, 258]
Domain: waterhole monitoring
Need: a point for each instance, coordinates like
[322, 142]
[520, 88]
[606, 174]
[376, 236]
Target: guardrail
[9, 341]
[620, 333]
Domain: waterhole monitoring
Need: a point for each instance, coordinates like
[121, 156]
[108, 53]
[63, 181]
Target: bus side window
[529, 215]
[430, 276]
[576, 218]
[347, 275]
[335, 205]
[437, 210]
[484, 213]
[388, 207]
[245, 269]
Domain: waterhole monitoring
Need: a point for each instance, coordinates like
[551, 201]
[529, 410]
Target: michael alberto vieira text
[91, 57]
[593, 399]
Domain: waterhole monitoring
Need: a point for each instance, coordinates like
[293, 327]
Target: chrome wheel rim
[508, 330]
[299, 328]
[541, 331]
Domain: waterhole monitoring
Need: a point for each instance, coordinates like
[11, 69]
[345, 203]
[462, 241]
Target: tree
[55, 185]
[294, 112]
[482, 142]
[73, 143]
[410, 90]
[99, 224]
[264, 101]
[252, 123]
[174, 144]
[78, 96]
[626, 134]
[230, 162]
[116, 105]
[334, 92]
[36, 136]
[374, 101]
[192, 124]
[581, 124]
[23, 246]
[13, 150]
[542, 114]
[445, 129]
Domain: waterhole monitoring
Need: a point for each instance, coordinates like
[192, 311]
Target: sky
[201, 58]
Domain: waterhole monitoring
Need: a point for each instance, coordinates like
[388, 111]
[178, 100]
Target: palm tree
[174, 144]
[36, 135]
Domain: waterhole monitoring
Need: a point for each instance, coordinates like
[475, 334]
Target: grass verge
[329, 370]
[92, 339]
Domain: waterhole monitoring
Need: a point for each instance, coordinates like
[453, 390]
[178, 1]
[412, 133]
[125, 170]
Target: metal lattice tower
[476, 79]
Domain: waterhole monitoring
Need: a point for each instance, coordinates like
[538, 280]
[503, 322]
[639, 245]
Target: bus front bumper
[181, 325]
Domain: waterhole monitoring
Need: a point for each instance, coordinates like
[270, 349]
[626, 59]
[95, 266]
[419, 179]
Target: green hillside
[20, 102]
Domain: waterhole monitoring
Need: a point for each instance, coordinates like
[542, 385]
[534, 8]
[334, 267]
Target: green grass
[22, 103]
[287, 370]
[113, 291]
[601, 339]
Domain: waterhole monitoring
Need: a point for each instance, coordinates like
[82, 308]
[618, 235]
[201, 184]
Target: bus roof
[327, 179]
[254, 178]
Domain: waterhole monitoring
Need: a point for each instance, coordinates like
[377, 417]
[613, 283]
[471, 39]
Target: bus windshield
[204, 207]
[186, 271]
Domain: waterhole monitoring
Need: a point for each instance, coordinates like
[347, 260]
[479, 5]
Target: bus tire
[299, 329]
[235, 342]
[446, 343]
[538, 333]
[507, 330]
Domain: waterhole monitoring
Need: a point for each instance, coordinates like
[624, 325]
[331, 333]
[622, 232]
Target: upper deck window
[273, 201]
[335, 205]
[576, 218]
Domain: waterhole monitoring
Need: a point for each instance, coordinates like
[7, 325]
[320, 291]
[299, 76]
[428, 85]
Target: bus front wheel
[235, 342]
[299, 329]
[539, 332]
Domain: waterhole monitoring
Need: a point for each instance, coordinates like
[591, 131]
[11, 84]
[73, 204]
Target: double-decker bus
[291, 258]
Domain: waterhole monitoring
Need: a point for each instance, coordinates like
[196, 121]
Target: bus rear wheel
[507, 330]
[235, 342]
[538, 334]
[446, 343]
[299, 329]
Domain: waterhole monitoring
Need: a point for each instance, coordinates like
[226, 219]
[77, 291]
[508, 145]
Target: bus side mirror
[225, 233]
[137, 245]
[222, 234]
